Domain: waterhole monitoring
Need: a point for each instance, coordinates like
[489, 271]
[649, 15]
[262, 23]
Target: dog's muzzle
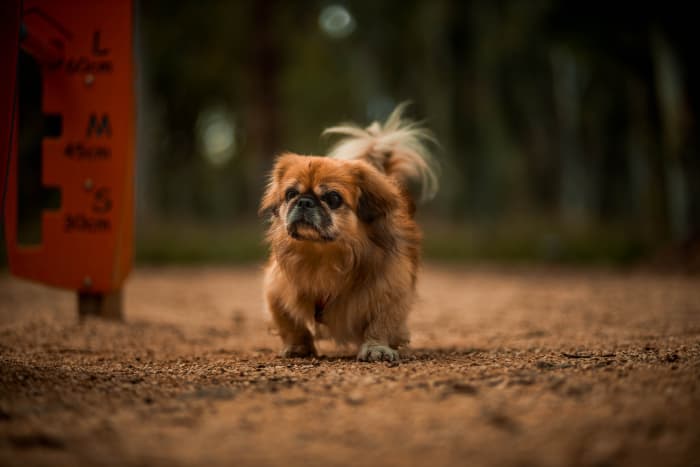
[306, 212]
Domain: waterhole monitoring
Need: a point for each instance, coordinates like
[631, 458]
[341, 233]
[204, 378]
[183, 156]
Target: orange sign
[85, 49]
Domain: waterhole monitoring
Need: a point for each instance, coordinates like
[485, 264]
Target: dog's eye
[290, 193]
[333, 199]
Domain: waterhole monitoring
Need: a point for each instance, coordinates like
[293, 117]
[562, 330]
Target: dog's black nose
[306, 202]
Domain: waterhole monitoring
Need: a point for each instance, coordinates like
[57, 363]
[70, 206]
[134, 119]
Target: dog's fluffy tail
[399, 148]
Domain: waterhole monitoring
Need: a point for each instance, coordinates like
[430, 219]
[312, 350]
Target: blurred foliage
[567, 130]
[529, 242]
[193, 243]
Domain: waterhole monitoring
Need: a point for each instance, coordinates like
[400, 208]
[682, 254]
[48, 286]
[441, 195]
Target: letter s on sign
[103, 200]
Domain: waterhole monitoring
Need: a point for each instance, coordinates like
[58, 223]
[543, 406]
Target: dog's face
[322, 200]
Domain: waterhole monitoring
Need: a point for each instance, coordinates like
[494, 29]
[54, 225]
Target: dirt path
[506, 368]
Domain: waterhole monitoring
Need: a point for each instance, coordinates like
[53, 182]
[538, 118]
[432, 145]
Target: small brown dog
[344, 244]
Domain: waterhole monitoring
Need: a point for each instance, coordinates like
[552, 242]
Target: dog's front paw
[299, 351]
[377, 353]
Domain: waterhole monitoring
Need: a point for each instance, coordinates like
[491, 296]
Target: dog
[344, 245]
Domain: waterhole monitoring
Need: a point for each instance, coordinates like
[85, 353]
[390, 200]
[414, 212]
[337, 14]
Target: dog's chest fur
[324, 289]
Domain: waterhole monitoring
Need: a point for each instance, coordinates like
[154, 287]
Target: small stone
[545, 365]
[464, 388]
[355, 398]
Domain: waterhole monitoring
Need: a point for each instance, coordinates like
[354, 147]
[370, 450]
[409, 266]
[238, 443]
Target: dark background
[567, 130]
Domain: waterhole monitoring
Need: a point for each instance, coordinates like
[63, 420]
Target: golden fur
[349, 270]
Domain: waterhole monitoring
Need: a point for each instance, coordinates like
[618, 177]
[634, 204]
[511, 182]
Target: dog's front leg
[377, 351]
[386, 331]
[296, 337]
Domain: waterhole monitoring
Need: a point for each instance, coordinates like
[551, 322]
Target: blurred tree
[575, 114]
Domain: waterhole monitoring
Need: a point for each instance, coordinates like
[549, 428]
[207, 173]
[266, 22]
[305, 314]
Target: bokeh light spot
[336, 21]
[217, 135]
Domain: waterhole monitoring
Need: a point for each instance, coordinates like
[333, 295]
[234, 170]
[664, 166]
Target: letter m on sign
[99, 126]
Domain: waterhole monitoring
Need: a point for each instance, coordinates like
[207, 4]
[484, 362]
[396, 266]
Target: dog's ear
[378, 196]
[269, 206]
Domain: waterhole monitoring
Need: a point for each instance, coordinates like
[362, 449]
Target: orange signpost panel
[9, 44]
[88, 87]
